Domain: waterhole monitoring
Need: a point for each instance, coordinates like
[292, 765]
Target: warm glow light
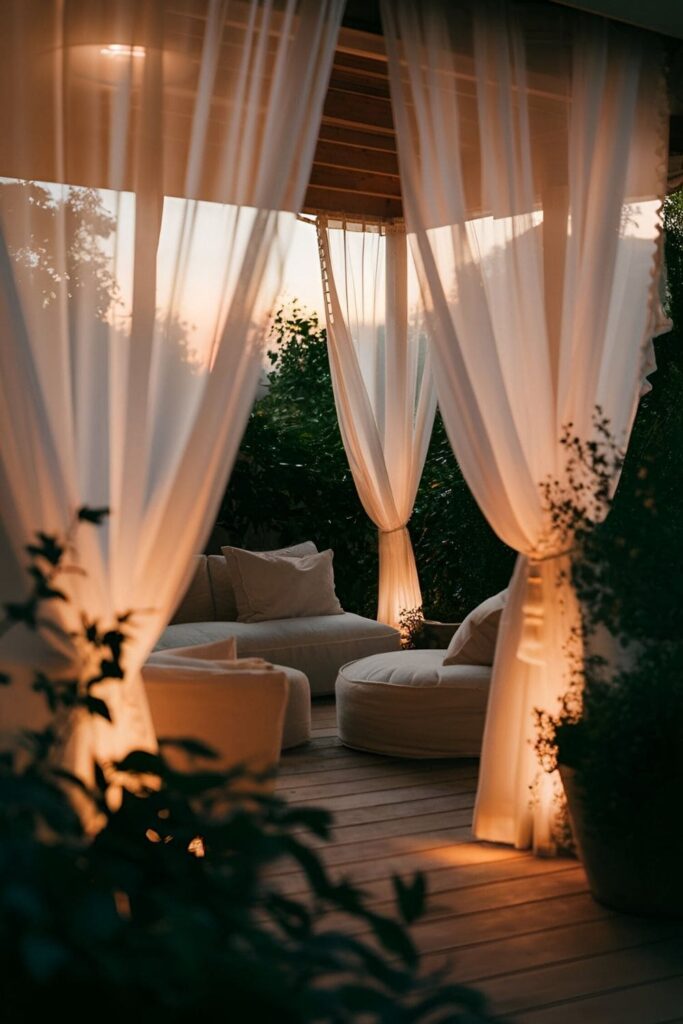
[196, 846]
[122, 50]
[122, 904]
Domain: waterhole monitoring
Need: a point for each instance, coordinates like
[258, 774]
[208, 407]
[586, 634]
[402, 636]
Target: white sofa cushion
[197, 603]
[221, 650]
[408, 704]
[317, 646]
[221, 578]
[474, 641]
[269, 586]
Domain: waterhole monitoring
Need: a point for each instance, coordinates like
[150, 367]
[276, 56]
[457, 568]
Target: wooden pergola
[355, 168]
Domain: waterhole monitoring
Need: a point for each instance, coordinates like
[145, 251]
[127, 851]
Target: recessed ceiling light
[122, 50]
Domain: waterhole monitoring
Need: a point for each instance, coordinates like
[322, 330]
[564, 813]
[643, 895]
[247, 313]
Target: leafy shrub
[621, 722]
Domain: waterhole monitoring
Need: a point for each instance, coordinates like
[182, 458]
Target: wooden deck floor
[523, 930]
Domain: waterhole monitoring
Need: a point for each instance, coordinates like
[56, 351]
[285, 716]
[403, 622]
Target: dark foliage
[292, 482]
[622, 734]
[170, 911]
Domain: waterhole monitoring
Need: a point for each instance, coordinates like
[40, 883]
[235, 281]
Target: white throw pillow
[197, 602]
[269, 586]
[221, 576]
[474, 641]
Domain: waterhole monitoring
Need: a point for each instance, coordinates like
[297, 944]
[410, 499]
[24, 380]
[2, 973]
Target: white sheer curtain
[532, 150]
[383, 387]
[153, 157]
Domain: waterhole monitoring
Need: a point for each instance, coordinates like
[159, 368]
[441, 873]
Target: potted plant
[618, 736]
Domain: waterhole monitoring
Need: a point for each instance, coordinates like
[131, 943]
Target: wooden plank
[326, 719]
[355, 158]
[361, 44]
[359, 111]
[348, 180]
[323, 758]
[407, 770]
[349, 854]
[314, 743]
[324, 731]
[550, 985]
[462, 902]
[351, 204]
[658, 1002]
[474, 964]
[350, 79]
[502, 923]
[369, 795]
[368, 67]
[398, 828]
[502, 864]
[384, 812]
[366, 138]
[406, 863]
[323, 792]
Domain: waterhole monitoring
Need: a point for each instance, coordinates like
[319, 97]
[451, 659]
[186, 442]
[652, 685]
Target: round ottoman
[408, 704]
[297, 727]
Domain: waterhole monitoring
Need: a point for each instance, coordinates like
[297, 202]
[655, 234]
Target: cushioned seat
[315, 645]
[408, 704]
[237, 709]
[205, 658]
[297, 725]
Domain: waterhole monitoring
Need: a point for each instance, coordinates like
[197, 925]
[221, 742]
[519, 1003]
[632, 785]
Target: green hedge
[292, 482]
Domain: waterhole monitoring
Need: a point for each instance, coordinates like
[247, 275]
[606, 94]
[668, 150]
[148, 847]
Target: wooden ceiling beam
[335, 154]
[350, 82]
[363, 138]
[351, 204]
[356, 111]
[347, 180]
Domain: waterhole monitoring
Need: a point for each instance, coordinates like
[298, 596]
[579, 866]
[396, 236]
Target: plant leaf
[193, 747]
[92, 515]
[411, 898]
[97, 706]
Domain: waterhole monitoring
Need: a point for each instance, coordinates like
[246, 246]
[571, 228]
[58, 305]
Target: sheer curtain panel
[383, 388]
[153, 157]
[532, 152]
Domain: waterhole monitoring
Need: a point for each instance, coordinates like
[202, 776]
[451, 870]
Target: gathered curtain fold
[383, 388]
[532, 153]
[153, 158]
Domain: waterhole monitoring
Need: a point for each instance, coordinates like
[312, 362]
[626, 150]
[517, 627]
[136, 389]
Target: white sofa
[317, 646]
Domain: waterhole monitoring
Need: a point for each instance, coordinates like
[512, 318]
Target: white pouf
[408, 704]
[297, 727]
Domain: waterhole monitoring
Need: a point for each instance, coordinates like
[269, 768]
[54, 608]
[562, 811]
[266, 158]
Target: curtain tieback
[397, 529]
[532, 642]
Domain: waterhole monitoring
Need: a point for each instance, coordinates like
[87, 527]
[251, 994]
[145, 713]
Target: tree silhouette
[59, 237]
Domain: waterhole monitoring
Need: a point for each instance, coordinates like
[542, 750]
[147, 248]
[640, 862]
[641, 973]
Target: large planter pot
[640, 876]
